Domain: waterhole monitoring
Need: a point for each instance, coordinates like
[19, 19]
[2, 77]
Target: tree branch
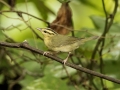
[21, 12]
[26, 46]
[108, 25]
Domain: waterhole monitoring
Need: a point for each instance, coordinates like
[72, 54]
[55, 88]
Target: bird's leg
[65, 60]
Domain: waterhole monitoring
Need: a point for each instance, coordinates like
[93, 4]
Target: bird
[62, 43]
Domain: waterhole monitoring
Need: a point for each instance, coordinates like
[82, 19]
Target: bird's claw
[46, 52]
[64, 61]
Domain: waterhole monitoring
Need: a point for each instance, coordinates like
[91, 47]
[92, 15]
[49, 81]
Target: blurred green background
[37, 72]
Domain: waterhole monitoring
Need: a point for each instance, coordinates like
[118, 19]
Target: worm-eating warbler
[62, 43]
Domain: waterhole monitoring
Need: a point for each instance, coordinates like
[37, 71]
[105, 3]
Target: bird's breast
[60, 48]
[47, 42]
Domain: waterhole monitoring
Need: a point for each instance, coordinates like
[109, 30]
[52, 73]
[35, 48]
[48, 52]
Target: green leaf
[99, 23]
[48, 82]
[91, 3]
[57, 70]
[43, 9]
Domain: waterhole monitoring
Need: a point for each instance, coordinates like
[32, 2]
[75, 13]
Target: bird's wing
[62, 40]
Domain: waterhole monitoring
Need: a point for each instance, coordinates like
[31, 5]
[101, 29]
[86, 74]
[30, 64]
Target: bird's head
[47, 32]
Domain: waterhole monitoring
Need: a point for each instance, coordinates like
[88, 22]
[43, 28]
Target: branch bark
[26, 46]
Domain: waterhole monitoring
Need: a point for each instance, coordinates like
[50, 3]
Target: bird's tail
[88, 39]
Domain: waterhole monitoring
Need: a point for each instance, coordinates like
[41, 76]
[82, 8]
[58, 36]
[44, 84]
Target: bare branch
[21, 12]
[2, 1]
[24, 45]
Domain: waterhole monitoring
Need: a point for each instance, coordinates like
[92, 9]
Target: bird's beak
[40, 29]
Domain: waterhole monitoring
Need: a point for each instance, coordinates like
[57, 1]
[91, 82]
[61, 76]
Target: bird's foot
[47, 52]
[64, 61]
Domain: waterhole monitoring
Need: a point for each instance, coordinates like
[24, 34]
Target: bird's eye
[45, 32]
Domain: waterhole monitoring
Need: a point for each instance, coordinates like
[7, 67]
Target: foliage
[24, 70]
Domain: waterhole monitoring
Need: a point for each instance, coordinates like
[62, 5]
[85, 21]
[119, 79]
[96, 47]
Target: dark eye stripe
[49, 33]
[51, 30]
[45, 32]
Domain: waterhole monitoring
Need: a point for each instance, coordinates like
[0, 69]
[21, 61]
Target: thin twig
[21, 12]
[76, 87]
[31, 28]
[106, 30]
[2, 1]
[101, 41]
